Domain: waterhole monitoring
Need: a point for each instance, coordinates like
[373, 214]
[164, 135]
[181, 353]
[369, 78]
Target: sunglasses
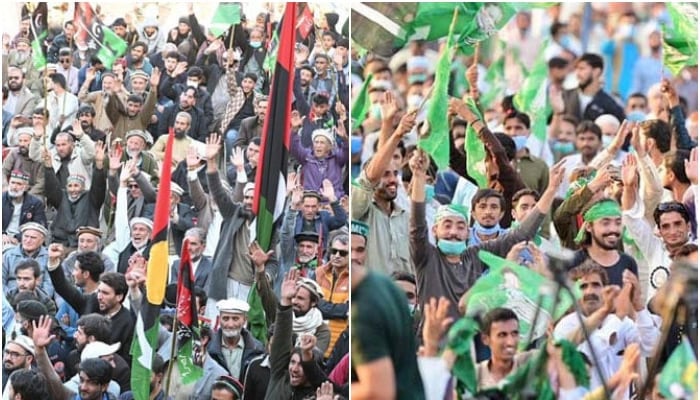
[64, 60]
[671, 206]
[342, 253]
[133, 186]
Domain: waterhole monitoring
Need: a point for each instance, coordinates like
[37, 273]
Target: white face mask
[414, 100]
[192, 83]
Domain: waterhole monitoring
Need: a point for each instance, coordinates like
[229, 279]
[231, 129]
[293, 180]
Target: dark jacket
[602, 103]
[198, 125]
[253, 348]
[70, 215]
[280, 354]
[250, 128]
[324, 222]
[201, 275]
[32, 211]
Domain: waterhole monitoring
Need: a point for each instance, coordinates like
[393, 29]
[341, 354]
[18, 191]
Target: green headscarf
[605, 209]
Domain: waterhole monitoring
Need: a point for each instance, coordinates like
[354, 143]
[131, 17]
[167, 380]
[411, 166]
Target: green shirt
[382, 327]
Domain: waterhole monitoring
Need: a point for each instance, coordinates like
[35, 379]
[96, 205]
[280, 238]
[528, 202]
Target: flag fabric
[40, 31]
[226, 14]
[145, 343]
[306, 22]
[495, 77]
[270, 179]
[679, 378]
[513, 286]
[437, 143]
[187, 318]
[383, 28]
[361, 104]
[680, 39]
[257, 321]
[98, 35]
[532, 98]
[475, 151]
[271, 56]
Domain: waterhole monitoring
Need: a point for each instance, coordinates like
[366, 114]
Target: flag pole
[173, 342]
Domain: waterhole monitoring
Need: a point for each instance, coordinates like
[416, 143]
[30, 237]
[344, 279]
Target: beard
[300, 313]
[231, 333]
[23, 151]
[600, 241]
[15, 194]
[180, 133]
[133, 153]
[247, 214]
[584, 84]
[85, 125]
[21, 58]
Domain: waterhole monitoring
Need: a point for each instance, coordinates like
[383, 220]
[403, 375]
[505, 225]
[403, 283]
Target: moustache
[590, 297]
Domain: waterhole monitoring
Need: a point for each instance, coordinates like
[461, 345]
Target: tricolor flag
[145, 343]
[361, 104]
[270, 179]
[39, 31]
[98, 35]
[187, 318]
[306, 22]
[680, 40]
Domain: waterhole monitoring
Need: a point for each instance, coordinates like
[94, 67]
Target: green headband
[604, 209]
[451, 210]
[359, 228]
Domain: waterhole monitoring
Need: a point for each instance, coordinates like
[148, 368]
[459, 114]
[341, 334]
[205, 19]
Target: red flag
[186, 303]
[271, 176]
[306, 22]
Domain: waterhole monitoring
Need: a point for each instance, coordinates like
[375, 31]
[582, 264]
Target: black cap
[184, 20]
[119, 22]
[32, 309]
[343, 42]
[306, 236]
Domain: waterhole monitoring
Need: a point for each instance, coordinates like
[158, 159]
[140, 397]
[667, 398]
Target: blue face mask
[413, 78]
[520, 142]
[376, 111]
[563, 147]
[255, 44]
[486, 231]
[451, 247]
[636, 116]
[429, 193]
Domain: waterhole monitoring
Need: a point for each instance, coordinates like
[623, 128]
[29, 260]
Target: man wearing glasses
[333, 278]
[20, 100]
[66, 68]
[18, 354]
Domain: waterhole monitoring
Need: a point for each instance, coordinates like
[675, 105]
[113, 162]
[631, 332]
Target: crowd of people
[83, 151]
[600, 197]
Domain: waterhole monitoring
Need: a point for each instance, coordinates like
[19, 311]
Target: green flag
[496, 78]
[40, 31]
[226, 14]
[532, 97]
[680, 39]
[475, 152]
[361, 104]
[271, 57]
[679, 378]
[257, 322]
[437, 143]
[513, 286]
[460, 342]
[111, 48]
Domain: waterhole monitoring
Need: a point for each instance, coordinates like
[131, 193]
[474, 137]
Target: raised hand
[556, 175]
[192, 157]
[297, 120]
[419, 163]
[213, 146]
[237, 159]
[556, 99]
[258, 256]
[297, 196]
[307, 343]
[115, 158]
[436, 322]
[408, 121]
[155, 77]
[628, 277]
[601, 180]
[637, 141]
[670, 93]
[125, 173]
[609, 295]
[56, 251]
[46, 156]
[41, 334]
[691, 166]
[514, 253]
[325, 391]
[389, 107]
[77, 128]
[623, 131]
[328, 191]
[90, 74]
[100, 150]
[629, 171]
[289, 287]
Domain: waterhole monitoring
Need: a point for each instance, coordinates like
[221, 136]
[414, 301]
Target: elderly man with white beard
[18, 208]
[233, 346]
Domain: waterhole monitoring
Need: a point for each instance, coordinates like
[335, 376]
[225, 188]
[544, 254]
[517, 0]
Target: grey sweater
[437, 277]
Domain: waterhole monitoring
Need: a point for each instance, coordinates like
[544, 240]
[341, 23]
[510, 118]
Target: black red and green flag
[39, 32]
[145, 343]
[97, 35]
[306, 22]
[187, 318]
[270, 179]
